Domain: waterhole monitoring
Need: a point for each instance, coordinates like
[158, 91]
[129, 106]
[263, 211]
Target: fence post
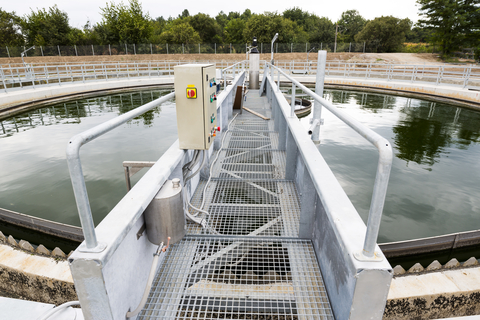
[291, 47]
[76, 53]
[350, 47]
[277, 47]
[126, 49]
[151, 49]
[167, 48]
[59, 54]
[261, 47]
[183, 49]
[8, 52]
[93, 51]
[363, 46]
[41, 49]
[109, 49]
[319, 85]
[134, 50]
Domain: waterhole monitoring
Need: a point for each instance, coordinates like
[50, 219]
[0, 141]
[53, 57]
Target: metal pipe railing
[383, 168]
[76, 172]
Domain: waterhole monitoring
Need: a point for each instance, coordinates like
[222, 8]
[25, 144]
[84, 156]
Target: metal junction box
[196, 100]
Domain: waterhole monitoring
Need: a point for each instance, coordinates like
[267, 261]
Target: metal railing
[18, 76]
[446, 74]
[384, 162]
[76, 172]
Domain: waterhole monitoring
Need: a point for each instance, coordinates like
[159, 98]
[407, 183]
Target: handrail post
[292, 102]
[76, 172]
[319, 85]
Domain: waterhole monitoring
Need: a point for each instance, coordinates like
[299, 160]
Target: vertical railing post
[59, 54]
[151, 49]
[76, 53]
[319, 86]
[126, 49]
[363, 46]
[109, 49]
[134, 49]
[41, 49]
[292, 102]
[93, 51]
[8, 52]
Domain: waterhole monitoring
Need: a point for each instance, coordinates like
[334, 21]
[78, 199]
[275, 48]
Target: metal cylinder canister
[253, 74]
[164, 216]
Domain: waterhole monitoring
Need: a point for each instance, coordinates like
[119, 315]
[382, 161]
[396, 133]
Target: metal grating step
[224, 278]
[253, 208]
[251, 140]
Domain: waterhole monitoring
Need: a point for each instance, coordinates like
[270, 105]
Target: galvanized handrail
[76, 172]
[383, 168]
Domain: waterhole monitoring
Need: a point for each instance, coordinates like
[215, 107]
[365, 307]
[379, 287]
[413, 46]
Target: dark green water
[34, 178]
[434, 184]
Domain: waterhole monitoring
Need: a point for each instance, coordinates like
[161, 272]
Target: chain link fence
[197, 48]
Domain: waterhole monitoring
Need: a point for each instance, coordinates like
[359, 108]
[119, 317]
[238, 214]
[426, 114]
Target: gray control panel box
[196, 103]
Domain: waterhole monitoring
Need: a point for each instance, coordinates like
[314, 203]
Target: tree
[234, 31]
[179, 31]
[350, 23]
[124, 24]
[418, 35]
[297, 15]
[47, 28]
[10, 29]
[387, 34]
[222, 19]
[264, 26]
[451, 21]
[207, 28]
[320, 30]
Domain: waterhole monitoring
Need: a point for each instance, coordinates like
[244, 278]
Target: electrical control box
[196, 102]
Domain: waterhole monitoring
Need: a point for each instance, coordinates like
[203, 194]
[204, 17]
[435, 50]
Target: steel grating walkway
[255, 267]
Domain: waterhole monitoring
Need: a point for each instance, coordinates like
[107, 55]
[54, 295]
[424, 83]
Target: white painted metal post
[8, 52]
[59, 54]
[151, 49]
[292, 102]
[76, 53]
[319, 84]
[41, 49]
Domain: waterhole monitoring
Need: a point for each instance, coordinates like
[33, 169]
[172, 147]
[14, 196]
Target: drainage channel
[255, 267]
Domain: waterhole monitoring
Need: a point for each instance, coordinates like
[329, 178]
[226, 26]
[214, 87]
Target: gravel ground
[417, 58]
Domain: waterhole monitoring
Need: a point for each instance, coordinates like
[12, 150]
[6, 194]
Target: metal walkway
[255, 267]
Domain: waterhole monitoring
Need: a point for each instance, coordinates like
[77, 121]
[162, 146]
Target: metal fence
[445, 74]
[16, 76]
[196, 48]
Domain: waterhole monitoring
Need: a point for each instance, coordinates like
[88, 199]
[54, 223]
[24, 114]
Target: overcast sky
[79, 11]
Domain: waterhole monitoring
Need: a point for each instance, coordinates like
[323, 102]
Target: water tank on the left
[164, 216]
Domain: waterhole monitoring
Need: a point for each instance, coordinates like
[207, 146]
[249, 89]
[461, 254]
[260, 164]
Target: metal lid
[170, 189]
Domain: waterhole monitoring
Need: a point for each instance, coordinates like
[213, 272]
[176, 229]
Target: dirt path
[411, 58]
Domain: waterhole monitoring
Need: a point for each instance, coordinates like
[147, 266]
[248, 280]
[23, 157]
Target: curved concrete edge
[445, 93]
[27, 97]
[434, 295]
[34, 277]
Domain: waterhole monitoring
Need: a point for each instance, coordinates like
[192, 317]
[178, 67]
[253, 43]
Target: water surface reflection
[434, 184]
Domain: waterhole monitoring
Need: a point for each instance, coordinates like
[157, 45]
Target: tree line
[451, 24]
